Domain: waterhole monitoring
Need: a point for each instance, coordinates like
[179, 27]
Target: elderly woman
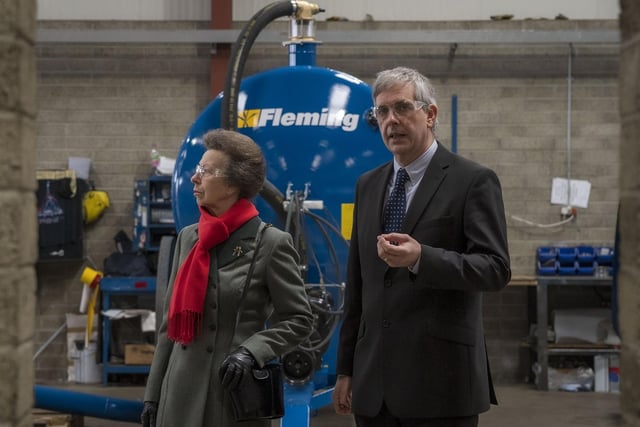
[200, 350]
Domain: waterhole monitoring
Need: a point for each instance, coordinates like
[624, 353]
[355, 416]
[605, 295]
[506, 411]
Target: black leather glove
[149, 412]
[235, 367]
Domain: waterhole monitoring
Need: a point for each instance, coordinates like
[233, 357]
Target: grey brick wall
[18, 235]
[630, 212]
[112, 102]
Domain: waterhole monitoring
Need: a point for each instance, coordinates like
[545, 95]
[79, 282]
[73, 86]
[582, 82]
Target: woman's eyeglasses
[203, 172]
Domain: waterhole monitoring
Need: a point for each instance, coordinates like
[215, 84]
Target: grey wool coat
[184, 379]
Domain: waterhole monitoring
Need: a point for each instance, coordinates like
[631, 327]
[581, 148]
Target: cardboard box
[138, 354]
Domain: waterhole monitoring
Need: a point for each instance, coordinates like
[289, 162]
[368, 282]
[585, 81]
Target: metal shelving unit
[152, 212]
[116, 286]
[544, 349]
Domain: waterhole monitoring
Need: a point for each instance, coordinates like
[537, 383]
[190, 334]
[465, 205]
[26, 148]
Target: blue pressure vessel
[316, 130]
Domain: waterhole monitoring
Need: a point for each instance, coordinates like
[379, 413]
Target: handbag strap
[259, 234]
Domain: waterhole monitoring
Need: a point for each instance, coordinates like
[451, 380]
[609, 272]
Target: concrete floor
[520, 406]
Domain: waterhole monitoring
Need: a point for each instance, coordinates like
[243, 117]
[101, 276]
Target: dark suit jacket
[417, 341]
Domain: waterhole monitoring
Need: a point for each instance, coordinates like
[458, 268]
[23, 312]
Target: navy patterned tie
[396, 204]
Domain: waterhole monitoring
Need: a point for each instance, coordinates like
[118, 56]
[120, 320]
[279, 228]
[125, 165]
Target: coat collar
[239, 243]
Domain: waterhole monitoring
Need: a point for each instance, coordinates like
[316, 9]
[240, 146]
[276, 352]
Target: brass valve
[305, 10]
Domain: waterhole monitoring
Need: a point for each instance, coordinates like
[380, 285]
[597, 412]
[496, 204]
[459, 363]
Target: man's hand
[235, 367]
[398, 250]
[149, 412]
[342, 395]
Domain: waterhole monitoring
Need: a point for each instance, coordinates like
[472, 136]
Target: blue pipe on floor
[91, 405]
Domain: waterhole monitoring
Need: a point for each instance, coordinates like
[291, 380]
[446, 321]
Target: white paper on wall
[580, 190]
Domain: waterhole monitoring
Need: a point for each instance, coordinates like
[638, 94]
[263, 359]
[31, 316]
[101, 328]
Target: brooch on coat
[237, 251]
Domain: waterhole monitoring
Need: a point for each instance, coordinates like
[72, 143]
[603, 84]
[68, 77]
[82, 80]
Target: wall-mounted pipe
[569, 111]
[73, 402]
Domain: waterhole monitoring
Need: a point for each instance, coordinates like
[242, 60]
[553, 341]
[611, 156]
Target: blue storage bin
[550, 268]
[567, 255]
[587, 269]
[604, 255]
[568, 270]
[546, 253]
[586, 255]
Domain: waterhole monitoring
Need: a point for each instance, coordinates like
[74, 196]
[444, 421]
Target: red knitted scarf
[190, 287]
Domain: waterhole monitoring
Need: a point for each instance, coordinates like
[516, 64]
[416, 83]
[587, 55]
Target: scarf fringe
[184, 326]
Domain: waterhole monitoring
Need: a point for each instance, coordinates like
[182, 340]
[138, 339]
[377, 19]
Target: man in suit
[412, 349]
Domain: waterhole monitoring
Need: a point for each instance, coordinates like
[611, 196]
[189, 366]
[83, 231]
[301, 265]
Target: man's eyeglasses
[399, 109]
[203, 172]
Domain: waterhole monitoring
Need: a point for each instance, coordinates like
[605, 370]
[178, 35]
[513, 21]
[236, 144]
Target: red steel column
[221, 16]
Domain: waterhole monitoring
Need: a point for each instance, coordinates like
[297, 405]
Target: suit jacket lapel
[377, 198]
[431, 181]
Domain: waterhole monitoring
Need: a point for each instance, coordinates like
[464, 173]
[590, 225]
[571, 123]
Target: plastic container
[587, 269]
[586, 255]
[547, 269]
[604, 255]
[568, 269]
[567, 255]
[546, 253]
[155, 157]
[87, 371]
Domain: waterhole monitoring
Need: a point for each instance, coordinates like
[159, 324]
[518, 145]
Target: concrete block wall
[109, 103]
[630, 212]
[112, 102]
[18, 235]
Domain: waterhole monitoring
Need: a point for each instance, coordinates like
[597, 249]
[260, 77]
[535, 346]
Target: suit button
[212, 327]
[386, 324]
[213, 305]
[209, 349]
[184, 347]
[387, 283]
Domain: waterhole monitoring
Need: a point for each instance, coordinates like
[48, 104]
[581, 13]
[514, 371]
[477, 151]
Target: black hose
[235, 69]
[239, 54]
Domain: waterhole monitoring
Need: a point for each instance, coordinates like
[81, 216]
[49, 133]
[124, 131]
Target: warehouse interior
[540, 98]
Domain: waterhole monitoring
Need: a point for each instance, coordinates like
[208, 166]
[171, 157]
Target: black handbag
[261, 396]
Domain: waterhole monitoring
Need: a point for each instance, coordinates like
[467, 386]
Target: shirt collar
[416, 168]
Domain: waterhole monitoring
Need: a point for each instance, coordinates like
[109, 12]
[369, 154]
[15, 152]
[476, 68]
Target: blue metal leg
[297, 403]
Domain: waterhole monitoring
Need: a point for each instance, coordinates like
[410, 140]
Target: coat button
[387, 283]
[184, 347]
[209, 349]
[212, 327]
[213, 305]
[386, 324]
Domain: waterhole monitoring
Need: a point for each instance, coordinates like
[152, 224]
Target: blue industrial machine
[318, 134]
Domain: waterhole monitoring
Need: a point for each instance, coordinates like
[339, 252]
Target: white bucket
[86, 369]
[81, 165]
